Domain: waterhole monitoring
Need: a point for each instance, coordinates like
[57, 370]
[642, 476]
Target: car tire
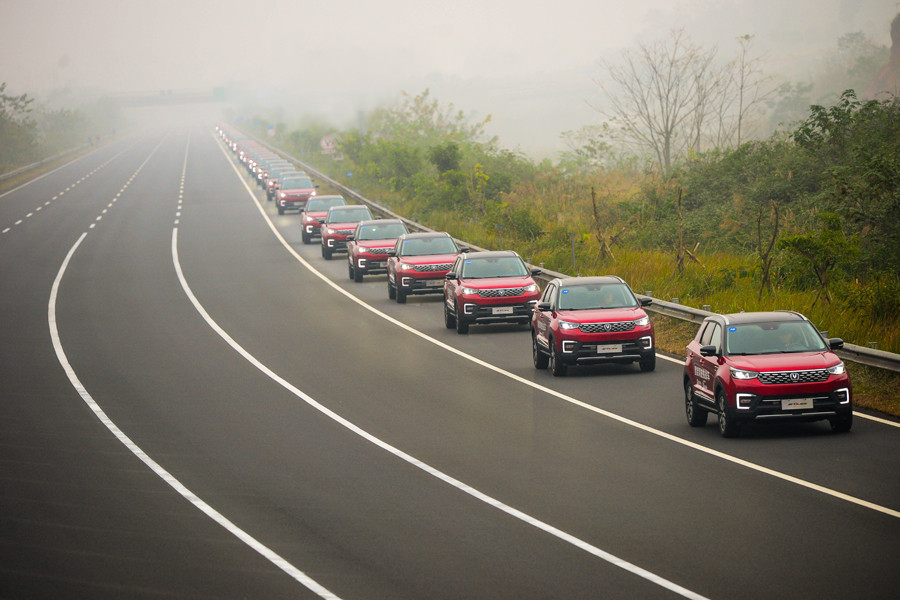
[401, 295]
[841, 424]
[305, 237]
[555, 363]
[449, 318]
[392, 291]
[540, 359]
[696, 416]
[728, 427]
[326, 253]
[648, 363]
[357, 275]
[462, 327]
[280, 210]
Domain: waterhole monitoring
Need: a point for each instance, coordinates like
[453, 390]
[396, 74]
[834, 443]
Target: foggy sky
[528, 63]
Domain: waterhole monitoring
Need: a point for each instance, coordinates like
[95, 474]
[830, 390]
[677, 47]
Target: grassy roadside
[17, 180]
[873, 389]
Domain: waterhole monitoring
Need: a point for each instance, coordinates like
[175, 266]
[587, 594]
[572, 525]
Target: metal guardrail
[43, 161]
[859, 354]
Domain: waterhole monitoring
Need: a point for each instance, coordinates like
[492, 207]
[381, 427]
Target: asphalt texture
[313, 438]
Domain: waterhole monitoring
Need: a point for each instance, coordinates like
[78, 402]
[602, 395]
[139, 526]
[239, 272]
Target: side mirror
[535, 271]
[464, 249]
[542, 306]
[835, 343]
[451, 275]
[350, 238]
[646, 301]
[708, 350]
[392, 252]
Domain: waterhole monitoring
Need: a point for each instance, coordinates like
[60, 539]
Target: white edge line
[561, 396]
[216, 516]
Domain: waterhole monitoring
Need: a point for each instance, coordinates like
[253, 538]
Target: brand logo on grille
[795, 376]
[607, 327]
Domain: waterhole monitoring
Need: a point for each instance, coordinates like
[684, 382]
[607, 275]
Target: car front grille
[501, 292]
[773, 377]
[606, 327]
[431, 268]
[377, 250]
[343, 231]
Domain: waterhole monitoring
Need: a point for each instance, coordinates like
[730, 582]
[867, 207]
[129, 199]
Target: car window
[494, 266]
[428, 245]
[350, 215]
[324, 203]
[548, 292]
[380, 231]
[596, 296]
[707, 333]
[716, 337]
[772, 338]
[297, 182]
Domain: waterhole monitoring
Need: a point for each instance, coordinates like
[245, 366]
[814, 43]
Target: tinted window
[351, 215]
[594, 296]
[428, 245]
[770, 338]
[324, 203]
[380, 231]
[494, 266]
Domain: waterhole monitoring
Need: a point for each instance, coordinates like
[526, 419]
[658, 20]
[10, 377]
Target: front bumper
[421, 285]
[809, 406]
[496, 313]
[591, 352]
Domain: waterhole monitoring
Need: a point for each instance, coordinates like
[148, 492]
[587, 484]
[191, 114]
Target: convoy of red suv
[585, 320]
[743, 368]
[762, 366]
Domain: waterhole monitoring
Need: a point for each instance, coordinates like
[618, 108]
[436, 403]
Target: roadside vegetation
[804, 218]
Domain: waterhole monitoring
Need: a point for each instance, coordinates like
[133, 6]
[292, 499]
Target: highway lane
[358, 519]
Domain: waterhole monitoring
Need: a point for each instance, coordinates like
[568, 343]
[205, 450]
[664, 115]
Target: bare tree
[673, 97]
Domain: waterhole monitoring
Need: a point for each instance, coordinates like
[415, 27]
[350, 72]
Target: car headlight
[283, 195]
[405, 266]
[532, 288]
[468, 291]
[740, 374]
[568, 325]
[837, 369]
[328, 230]
[642, 322]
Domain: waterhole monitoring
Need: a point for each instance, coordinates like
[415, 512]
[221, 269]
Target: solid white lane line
[733, 459]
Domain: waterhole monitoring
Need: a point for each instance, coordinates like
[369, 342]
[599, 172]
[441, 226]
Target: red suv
[340, 222]
[489, 287]
[368, 247]
[584, 320]
[293, 192]
[313, 215]
[418, 264]
[761, 366]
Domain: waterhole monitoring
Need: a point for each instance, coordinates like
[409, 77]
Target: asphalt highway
[195, 404]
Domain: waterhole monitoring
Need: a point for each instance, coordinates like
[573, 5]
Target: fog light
[468, 308]
[646, 342]
[361, 263]
[842, 395]
[743, 401]
[568, 346]
[405, 281]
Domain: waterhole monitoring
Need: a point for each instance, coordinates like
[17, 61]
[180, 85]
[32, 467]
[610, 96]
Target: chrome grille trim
[614, 327]
[501, 292]
[431, 268]
[813, 376]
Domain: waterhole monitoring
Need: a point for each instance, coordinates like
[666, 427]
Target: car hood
[488, 283]
[602, 315]
[428, 259]
[799, 361]
[315, 214]
[385, 243]
[342, 225]
[297, 191]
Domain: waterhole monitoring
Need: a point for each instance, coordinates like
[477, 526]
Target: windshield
[495, 266]
[352, 215]
[428, 245]
[380, 231]
[585, 297]
[297, 183]
[771, 338]
[324, 203]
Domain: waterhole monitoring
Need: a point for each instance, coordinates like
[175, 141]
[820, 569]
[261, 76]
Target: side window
[548, 293]
[457, 267]
[707, 333]
[716, 339]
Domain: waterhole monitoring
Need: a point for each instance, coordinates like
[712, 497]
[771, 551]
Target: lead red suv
[419, 263]
[762, 366]
[489, 287]
[584, 320]
[293, 192]
[368, 247]
[340, 222]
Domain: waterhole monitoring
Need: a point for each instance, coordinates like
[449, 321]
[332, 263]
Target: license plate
[434, 282]
[796, 404]
[609, 348]
[503, 310]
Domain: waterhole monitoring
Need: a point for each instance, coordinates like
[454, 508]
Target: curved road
[194, 404]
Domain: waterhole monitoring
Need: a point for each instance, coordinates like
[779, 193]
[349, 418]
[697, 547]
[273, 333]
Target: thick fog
[532, 65]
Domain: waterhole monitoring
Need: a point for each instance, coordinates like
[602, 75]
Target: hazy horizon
[530, 65]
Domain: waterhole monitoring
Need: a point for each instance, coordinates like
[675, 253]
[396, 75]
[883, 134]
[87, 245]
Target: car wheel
[696, 416]
[449, 318]
[555, 363]
[305, 237]
[357, 275]
[280, 210]
[326, 252]
[350, 270]
[461, 326]
[540, 359]
[728, 427]
[841, 424]
[648, 363]
[401, 295]
[392, 291]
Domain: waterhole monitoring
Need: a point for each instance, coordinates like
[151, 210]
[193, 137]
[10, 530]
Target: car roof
[379, 222]
[424, 234]
[763, 317]
[490, 254]
[601, 279]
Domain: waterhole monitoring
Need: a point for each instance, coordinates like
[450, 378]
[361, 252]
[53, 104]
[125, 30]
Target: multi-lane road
[193, 404]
